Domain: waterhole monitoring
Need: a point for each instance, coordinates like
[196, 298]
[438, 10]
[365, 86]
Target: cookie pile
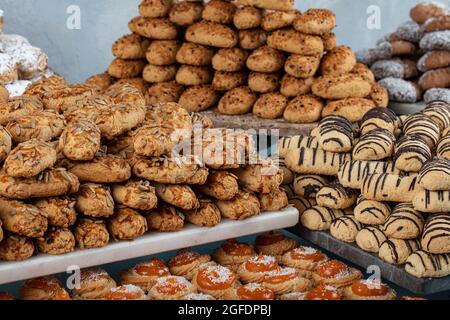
[86, 163]
[275, 267]
[20, 64]
[242, 56]
[415, 59]
[384, 186]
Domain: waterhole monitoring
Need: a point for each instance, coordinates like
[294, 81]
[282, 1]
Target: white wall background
[77, 54]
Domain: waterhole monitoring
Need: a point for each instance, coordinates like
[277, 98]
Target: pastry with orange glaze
[170, 288]
[255, 269]
[286, 280]
[323, 292]
[186, 263]
[335, 273]
[304, 259]
[145, 274]
[95, 283]
[274, 244]
[369, 290]
[126, 292]
[232, 254]
[6, 296]
[250, 291]
[215, 280]
[44, 288]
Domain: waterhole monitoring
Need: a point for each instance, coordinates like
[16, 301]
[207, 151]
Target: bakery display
[394, 205]
[413, 62]
[245, 57]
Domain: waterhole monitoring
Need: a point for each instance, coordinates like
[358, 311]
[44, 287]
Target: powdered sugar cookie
[437, 94]
[438, 40]
[8, 69]
[401, 90]
[410, 31]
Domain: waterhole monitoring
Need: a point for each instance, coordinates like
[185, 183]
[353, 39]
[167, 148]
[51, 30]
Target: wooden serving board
[250, 121]
[392, 273]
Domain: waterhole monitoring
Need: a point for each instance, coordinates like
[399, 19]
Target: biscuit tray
[152, 243]
[250, 121]
[406, 108]
[392, 273]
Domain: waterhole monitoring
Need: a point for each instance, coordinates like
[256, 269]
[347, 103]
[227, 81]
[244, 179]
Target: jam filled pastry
[251, 291]
[286, 280]
[126, 292]
[95, 283]
[255, 269]
[274, 244]
[335, 273]
[45, 288]
[323, 292]
[232, 254]
[215, 280]
[369, 290]
[170, 288]
[145, 274]
[304, 259]
[186, 263]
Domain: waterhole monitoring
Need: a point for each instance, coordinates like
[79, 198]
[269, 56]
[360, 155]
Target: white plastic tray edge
[152, 243]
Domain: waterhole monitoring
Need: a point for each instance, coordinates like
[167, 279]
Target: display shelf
[152, 243]
[250, 121]
[406, 108]
[392, 273]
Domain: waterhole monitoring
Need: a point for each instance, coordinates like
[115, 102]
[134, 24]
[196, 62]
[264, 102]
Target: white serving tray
[152, 243]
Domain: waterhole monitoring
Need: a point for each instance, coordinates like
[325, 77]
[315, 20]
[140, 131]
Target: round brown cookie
[229, 60]
[292, 41]
[153, 28]
[345, 228]
[207, 215]
[185, 13]
[270, 106]
[265, 59]
[302, 66]
[379, 95]
[353, 109]
[56, 241]
[264, 82]
[131, 46]
[411, 152]
[371, 212]
[125, 93]
[277, 200]
[164, 92]
[212, 34]
[154, 74]
[120, 68]
[44, 126]
[193, 75]
[155, 8]
[225, 81]
[127, 224]
[136, 194]
[91, 233]
[341, 87]
[303, 109]
[274, 20]
[180, 196]
[237, 101]
[438, 78]
[16, 248]
[162, 52]
[64, 97]
[165, 219]
[219, 11]
[337, 61]
[19, 106]
[198, 98]
[243, 206]
[329, 40]
[293, 87]
[315, 21]
[194, 54]
[252, 39]
[277, 5]
[137, 83]
[397, 251]
[80, 140]
[247, 18]
[423, 11]
[60, 210]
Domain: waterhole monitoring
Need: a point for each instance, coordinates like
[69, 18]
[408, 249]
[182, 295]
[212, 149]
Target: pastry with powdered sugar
[395, 68]
[438, 40]
[8, 69]
[425, 10]
[401, 90]
[437, 94]
[409, 31]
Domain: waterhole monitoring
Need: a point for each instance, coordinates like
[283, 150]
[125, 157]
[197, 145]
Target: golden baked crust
[372, 286]
[274, 20]
[225, 81]
[45, 288]
[145, 274]
[243, 206]
[186, 13]
[352, 109]
[193, 75]
[95, 283]
[232, 254]
[305, 259]
[56, 241]
[5, 143]
[60, 211]
[207, 215]
[339, 60]
[237, 101]
[165, 219]
[136, 194]
[212, 34]
[162, 52]
[49, 183]
[180, 196]
[95, 200]
[261, 178]
[164, 92]
[300, 66]
[282, 5]
[252, 39]
[16, 248]
[265, 59]
[247, 18]
[274, 243]
[127, 224]
[270, 106]
[123, 92]
[219, 11]
[4, 94]
[131, 46]
[264, 82]
[229, 60]
[80, 140]
[194, 54]
[198, 98]
[120, 68]
[153, 28]
[292, 87]
[255, 269]
[186, 263]
[303, 109]
[274, 201]
[214, 280]
[292, 41]
[286, 280]
[154, 74]
[170, 288]
[91, 233]
[17, 107]
[315, 21]
[221, 185]
[155, 8]
[341, 87]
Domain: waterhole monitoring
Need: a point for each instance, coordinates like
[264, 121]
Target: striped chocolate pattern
[411, 149]
[352, 173]
[376, 234]
[375, 145]
[295, 142]
[403, 215]
[388, 187]
[423, 264]
[439, 112]
[394, 249]
[437, 230]
[440, 166]
[424, 126]
[336, 192]
[309, 185]
[335, 130]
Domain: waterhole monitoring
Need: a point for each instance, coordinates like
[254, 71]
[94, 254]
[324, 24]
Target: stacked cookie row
[20, 63]
[243, 58]
[383, 186]
[273, 268]
[86, 163]
[415, 59]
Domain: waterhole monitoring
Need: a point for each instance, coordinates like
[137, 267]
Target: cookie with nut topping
[136, 194]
